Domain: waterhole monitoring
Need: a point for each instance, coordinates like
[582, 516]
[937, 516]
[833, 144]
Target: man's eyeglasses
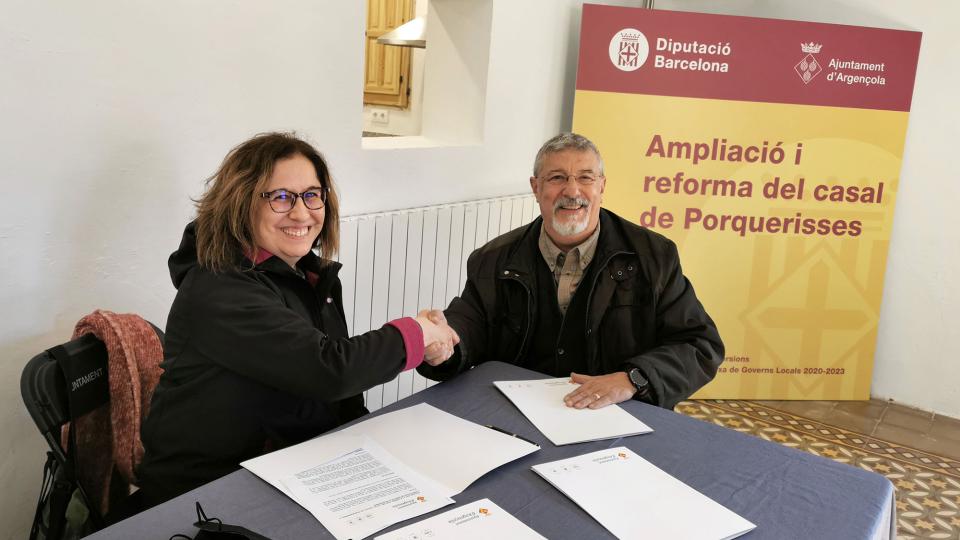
[559, 179]
[282, 201]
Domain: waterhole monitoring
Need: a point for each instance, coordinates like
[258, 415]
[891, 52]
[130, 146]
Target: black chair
[53, 402]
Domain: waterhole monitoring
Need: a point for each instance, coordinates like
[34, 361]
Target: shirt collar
[583, 251]
[260, 256]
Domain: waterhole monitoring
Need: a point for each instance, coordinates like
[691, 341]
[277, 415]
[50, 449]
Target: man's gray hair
[565, 141]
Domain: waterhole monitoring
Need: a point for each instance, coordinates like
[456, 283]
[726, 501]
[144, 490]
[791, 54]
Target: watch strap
[640, 382]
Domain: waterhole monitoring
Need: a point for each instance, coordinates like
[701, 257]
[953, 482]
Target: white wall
[112, 113]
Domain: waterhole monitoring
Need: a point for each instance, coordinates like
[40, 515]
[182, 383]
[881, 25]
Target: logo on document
[483, 511]
[421, 498]
[808, 68]
[629, 49]
[622, 455]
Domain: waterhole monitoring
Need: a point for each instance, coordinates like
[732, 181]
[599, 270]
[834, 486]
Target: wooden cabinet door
[387, 71]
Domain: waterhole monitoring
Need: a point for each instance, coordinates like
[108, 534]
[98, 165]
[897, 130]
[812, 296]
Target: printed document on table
[364, 491]
[480, 520]
[541, 401]
[449, 450]
[632, 498]
[275, 466]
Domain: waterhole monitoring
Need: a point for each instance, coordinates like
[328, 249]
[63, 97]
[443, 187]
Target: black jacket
[642, 312]
[255, 360]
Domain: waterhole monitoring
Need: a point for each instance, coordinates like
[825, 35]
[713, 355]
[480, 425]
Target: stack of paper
[541, 401]
[364, 491]
[480, 520]
[387, 469]
[632, 498]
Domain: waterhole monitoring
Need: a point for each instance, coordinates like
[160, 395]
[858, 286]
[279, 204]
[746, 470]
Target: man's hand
[438, 338]
[599, 391]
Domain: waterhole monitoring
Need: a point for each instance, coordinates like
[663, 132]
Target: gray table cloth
[785, 492]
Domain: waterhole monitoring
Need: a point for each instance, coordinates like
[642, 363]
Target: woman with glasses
[257, 355]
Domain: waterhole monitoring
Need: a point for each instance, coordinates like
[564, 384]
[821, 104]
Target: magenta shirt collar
[261, 256]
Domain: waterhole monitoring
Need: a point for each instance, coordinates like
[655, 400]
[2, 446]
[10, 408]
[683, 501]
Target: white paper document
[364, 491]
[449, 450]
[541, 401]
[632, 498]
[480, 520]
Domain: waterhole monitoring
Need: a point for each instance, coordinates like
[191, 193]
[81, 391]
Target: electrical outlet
[380, 116]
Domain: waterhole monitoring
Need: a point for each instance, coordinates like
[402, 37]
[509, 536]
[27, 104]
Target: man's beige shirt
[567, 268]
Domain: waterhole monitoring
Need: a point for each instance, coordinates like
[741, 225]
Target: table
[785, 492]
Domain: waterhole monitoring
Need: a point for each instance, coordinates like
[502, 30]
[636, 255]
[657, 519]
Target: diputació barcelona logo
[629, 49]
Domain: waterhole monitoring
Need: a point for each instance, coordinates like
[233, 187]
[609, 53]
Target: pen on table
[505, 432]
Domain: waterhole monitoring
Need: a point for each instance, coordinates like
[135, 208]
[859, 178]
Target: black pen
[505, 432]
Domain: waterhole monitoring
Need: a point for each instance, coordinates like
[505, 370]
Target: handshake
[438, 338]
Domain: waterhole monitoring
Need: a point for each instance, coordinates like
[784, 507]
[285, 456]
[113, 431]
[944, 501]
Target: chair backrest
[52, 400]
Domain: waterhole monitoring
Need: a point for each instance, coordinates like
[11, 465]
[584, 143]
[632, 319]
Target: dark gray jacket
[642, 311]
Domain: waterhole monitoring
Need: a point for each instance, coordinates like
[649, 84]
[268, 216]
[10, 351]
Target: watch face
[637, 378]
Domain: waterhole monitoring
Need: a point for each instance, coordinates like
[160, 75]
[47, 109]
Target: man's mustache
[570, 201]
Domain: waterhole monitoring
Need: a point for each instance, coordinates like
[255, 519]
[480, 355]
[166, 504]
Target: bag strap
[94, 512]
[57, 507]
[45, 484]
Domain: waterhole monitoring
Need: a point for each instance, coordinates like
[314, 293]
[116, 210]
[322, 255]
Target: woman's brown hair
[224, 229]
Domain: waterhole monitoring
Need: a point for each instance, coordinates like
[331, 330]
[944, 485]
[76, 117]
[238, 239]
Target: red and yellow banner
[770, 152]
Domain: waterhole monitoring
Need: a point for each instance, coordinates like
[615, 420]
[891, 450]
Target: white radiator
[397, 263]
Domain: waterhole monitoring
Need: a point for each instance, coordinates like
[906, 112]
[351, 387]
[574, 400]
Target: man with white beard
[583, 292]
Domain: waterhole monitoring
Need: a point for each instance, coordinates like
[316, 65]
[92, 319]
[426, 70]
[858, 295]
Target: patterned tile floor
[927, 485]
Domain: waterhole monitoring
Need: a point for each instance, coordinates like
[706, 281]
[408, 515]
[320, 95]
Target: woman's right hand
[438, 338]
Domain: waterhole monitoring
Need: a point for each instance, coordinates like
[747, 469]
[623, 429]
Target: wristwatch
[643, 385]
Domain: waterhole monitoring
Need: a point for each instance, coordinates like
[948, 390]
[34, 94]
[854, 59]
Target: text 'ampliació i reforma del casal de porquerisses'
[798, 189]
